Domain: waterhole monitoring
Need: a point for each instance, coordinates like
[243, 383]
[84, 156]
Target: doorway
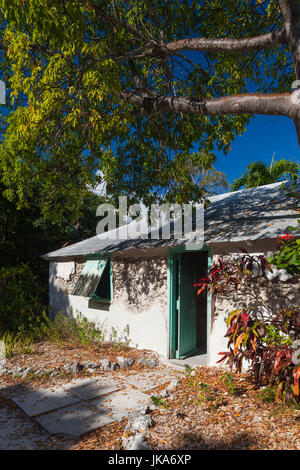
[188, 315]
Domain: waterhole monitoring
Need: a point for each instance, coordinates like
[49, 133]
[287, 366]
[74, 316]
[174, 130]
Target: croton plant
[266, 340]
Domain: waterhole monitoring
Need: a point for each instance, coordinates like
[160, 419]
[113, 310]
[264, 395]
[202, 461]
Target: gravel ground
[202, 413]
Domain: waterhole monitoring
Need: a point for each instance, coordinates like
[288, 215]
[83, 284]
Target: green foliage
[66, 65]
[266, 340]
[120, 340]
[203, 393]
[274, 336]
[25, 236]
[64, 329]
[24, 319]
[188, 370]
[229, 382]
[267, 345]
[288, 256]
[268, 394]
[18, 343]
[201, 388]
[20, 294]
[158, 401]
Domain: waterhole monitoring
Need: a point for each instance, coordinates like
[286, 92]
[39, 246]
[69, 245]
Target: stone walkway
[74, 408]
[17, 432]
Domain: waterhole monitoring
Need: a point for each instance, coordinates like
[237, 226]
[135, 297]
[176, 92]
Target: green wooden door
[187, 332]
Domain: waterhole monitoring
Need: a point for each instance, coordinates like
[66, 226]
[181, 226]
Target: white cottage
[146, 287]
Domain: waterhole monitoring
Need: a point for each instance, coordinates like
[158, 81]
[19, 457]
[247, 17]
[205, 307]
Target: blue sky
[264, 136]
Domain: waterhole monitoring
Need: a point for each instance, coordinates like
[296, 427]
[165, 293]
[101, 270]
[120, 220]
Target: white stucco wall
[143, 308]
[141, 301]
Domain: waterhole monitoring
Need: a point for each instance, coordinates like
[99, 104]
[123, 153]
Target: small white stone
[138, 442]
[295, 96]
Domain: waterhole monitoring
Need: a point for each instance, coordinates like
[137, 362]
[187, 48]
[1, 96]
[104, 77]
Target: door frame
[172, 256]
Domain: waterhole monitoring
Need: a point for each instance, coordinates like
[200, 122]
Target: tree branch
[296, 112]
[290, 10]
[248, 103]
[116, 23]
[218, 45]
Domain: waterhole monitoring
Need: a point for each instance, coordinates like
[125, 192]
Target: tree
[25, 236]
[193, 176]
[148, 79]
[258, 174]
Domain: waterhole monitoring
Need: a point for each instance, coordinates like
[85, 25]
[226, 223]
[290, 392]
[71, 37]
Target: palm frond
[284, 167]
[238, 183]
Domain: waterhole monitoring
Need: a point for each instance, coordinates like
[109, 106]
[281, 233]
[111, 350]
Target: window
[95, 280]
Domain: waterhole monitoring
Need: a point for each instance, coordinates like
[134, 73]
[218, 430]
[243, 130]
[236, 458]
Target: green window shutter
[89, 278]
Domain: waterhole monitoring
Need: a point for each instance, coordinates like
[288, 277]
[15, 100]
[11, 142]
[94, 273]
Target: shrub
[288, 256]
[61, 329]
[229, 382]
[17, 343]
[65, 328]
[264, 341]
[118, 339]
[267, 394]
[24, 319]
[268, 348]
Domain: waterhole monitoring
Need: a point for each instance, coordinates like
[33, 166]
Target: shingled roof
[258, 213]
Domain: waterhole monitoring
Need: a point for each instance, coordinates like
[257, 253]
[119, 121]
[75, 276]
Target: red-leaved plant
[265, 342]
[230, 273]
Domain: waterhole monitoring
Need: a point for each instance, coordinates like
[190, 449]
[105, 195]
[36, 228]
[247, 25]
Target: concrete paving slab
[127, 399]
[87, 389]
[35, 402]
[197, 360]
[76, 419]
[84, 404]
[87, 416]
[18, 433]
[148, 380]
